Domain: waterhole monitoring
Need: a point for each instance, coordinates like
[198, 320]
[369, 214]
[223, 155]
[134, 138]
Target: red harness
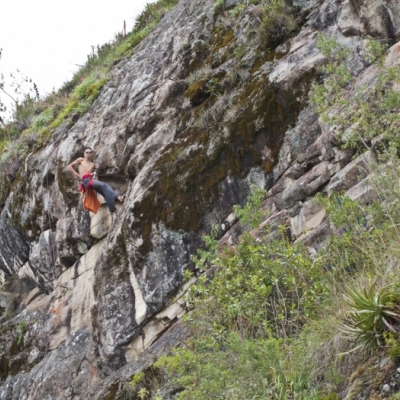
[82, 186]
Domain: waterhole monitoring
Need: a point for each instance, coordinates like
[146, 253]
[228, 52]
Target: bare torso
[85, 167]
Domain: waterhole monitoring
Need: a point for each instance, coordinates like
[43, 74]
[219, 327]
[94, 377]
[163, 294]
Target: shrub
[236, 369]
[277, 21]
[252, 212]
[360, 236]
[372, 312]
[247, 305]
[260, 289]
[364, 244]
[337, 76]
[375, 51]
[367, 113]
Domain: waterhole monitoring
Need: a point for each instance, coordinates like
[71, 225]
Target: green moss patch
[189, 183]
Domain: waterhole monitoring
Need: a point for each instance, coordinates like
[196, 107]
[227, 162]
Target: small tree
[18, 89]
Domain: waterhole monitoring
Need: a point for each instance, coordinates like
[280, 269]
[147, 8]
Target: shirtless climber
[87, 172]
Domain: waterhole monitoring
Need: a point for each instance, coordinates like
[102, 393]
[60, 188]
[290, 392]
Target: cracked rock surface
[110, 291]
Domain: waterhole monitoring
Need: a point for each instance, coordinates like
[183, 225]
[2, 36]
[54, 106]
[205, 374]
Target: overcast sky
[45, 39]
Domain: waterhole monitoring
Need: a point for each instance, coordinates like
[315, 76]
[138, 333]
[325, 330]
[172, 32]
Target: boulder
[352, 173]
[380, 19]
[310, 216]
[349, 22]
[363, 192]
[308, 184]
[101, 221]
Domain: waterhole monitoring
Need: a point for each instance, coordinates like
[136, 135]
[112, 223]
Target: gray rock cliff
[110, 292]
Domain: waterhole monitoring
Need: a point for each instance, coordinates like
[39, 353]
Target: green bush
[375, 51]
[236, 369]
[360, 236]
[370, 112]
[252, 212]
[260, 289]
[336, 76]
[278, 22]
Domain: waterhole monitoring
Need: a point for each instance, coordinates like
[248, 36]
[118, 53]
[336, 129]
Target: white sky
[45, 39]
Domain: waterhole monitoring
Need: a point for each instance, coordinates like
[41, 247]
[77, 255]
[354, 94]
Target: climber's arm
[71, 167]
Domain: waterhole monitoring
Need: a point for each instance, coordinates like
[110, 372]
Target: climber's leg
[107, 192]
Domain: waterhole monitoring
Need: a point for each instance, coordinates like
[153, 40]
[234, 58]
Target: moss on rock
[190, 180]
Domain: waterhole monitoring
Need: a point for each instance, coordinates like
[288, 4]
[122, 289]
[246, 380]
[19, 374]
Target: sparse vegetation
[371, 112]
[252, 212]
[305, 317]
[21, 329]
[273, 22]
[35, 120]
[269, 320]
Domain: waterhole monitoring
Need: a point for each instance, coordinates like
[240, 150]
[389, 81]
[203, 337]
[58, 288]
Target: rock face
[378, 19]
[14, 250]
[185, 144]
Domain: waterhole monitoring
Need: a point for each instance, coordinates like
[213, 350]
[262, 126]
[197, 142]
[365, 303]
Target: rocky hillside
[212, 101]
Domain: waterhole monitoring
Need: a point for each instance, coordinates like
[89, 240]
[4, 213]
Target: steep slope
[202, 110]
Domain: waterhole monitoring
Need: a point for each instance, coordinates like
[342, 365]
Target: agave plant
[372, 312]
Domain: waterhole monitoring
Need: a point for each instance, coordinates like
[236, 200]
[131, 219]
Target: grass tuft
[35, 121]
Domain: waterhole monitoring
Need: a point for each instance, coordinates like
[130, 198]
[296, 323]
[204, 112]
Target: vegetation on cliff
[270, 320]
[275, 323]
